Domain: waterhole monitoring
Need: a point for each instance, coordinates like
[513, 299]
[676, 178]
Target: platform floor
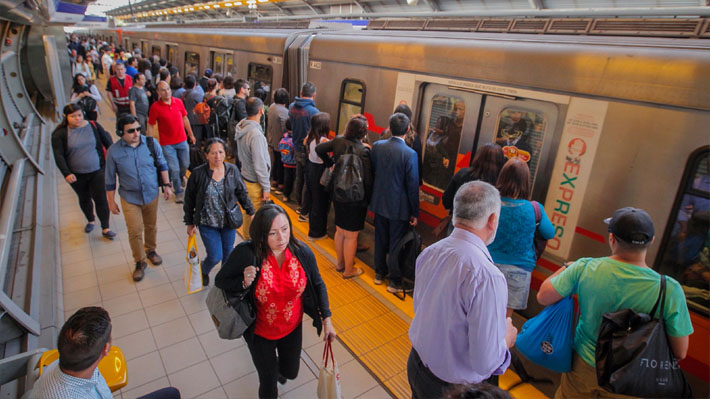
[165, 334]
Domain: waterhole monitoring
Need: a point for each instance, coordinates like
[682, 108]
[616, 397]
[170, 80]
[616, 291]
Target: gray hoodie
[253, 153]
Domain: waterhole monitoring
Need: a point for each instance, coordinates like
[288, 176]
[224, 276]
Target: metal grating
[406, 24]
[706, 30]
[530, 25]
[464, 25]
[377, 24]
[647, 27]
[495, 25]
[569, 25]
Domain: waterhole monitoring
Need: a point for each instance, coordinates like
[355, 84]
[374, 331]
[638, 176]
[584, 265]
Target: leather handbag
[232, 317]
[325, 177]
[234, 215]
[633, 356]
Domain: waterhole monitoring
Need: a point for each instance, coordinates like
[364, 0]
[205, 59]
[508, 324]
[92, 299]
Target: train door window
[192, 63]
[685, 252]
[520, 133]
[260, 78]
[171, 51]
[155, 50]
[444, 114]
[230, 68]
[217, 62]
[125, 45]
[144, 48]
[352, 101]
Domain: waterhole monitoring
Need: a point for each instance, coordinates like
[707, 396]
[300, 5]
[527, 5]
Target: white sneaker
[179, 198]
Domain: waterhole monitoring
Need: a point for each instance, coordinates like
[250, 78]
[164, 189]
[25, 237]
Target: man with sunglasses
[137, 160]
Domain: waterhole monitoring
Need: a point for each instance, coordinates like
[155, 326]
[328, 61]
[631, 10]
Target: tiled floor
[165, 334]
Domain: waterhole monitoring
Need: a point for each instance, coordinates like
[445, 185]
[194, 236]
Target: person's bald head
[164, 91]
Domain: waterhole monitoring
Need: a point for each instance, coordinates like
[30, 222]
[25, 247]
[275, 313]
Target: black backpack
[221, 109]
[87, 104]
[347, 180]
[404, 255]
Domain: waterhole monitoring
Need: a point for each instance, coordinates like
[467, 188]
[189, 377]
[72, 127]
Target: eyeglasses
[134, 130]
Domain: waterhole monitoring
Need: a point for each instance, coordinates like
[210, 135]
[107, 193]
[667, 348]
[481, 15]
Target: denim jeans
[218, 243]
[178, 157]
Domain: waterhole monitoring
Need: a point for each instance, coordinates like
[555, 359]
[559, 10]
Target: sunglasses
[134, 130]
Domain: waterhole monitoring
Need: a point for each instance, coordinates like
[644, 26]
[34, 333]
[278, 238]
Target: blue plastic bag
[546, 339]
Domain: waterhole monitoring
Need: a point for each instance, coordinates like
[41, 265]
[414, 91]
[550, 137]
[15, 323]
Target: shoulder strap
[150, 141]
[661, 298]
[538, 213]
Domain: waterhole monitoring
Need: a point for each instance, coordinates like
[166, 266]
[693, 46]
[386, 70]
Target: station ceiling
[150, 11]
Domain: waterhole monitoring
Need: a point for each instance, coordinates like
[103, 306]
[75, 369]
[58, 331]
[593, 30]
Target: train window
[217, 62]
[685, 254]
[155, 50]
[443, 135]
[171, 53]
[192, 63]
[230, 66]
[352, 101]
[521, 135]
[144, 48]
[260, 78]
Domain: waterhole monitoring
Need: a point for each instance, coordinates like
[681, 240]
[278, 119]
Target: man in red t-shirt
[171, 116]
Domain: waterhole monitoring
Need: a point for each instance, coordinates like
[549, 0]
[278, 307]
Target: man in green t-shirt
[620, 281]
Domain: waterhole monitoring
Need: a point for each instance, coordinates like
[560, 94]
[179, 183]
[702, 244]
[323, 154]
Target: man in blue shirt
[83, 341]
[395, 198]
[137, 166]
[459, 333]
[300, 112]
[131, 67]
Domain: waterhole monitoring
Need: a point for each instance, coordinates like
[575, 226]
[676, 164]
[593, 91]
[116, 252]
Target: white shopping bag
[193, 271]
[329, 378]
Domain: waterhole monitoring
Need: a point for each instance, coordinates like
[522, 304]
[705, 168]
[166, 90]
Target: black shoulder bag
[633, 355]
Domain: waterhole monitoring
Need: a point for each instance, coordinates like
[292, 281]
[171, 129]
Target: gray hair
[474, 203]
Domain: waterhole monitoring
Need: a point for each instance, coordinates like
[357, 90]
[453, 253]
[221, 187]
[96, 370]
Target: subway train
[603, 122]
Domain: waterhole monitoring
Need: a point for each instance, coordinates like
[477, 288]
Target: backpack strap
[661, 298]
[150, 142]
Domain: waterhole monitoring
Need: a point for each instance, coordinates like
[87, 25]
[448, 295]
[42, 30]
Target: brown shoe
[139, 272]
[154, 258]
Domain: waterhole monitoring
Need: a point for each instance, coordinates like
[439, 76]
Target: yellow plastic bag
[193, 270]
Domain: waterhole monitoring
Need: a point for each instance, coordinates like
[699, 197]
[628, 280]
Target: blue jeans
[218, 243]
[178, 157]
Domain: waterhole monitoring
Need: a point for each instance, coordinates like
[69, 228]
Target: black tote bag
[634, 357]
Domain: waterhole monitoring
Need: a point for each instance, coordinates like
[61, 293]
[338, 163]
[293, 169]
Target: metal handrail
[22, 139]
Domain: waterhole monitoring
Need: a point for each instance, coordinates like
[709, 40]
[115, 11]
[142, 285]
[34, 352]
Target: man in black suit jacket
[395, 197]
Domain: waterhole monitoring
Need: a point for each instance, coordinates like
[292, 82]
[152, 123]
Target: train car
[602, 122]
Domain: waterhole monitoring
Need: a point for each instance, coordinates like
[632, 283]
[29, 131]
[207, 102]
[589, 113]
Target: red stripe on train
[590, 234]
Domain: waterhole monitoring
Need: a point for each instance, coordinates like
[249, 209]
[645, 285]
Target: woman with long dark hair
[78, 148]
[281, 279]
[320, 203]
[212, 191]
[349, 217]
[513, 249]
[486, 165]
[85, 95]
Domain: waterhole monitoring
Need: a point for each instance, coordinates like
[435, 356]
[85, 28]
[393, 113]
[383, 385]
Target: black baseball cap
[631, 225]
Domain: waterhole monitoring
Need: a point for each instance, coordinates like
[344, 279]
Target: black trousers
[320, 201]
[88, 187]
[300, 182]
[277, 170]
[387, 233]
[275, 357]
[289, 175]
[164, 393]
[424, 383]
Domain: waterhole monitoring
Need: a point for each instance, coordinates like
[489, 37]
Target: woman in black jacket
[349, 217]
[211, 204]
[282, 279]
[79, 151]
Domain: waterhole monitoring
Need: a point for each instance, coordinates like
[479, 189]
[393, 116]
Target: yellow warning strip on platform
[374, 333]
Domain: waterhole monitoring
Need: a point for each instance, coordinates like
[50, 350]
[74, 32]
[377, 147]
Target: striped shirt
[54, 384]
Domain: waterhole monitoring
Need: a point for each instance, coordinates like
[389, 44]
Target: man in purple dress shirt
[460, 333]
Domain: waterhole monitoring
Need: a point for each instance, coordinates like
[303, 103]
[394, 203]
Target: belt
[247, 180]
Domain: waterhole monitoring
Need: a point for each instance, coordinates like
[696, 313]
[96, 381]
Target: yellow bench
[112, 367]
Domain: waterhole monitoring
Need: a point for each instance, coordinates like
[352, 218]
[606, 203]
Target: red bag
[202, 112]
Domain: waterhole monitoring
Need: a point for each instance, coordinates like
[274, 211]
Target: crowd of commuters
[466, 287]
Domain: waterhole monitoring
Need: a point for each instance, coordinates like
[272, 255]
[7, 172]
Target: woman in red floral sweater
[283, 282]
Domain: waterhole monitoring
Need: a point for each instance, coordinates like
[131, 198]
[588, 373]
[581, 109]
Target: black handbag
[231, 316]
[234, 215]
[633, 355]
[325, 177]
